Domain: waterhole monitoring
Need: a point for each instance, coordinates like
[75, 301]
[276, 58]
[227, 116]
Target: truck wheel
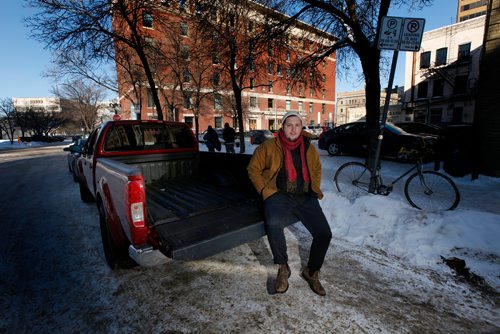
[116, 255]
[85, 194]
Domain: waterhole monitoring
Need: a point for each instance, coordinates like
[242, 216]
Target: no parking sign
[398, 33]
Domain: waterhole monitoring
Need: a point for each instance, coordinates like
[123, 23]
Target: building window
[438, 87]
[185, 52]
[215, 58]
[287, 56]
[252, 124]
[441, 55]
[425, 59]
[422, 90]
[323, 94]
[324, 78]
[270, 104]
[213, 14]
[188, 101]
[189, 120]
[253, 101]
[301, 106]
[288, 105]
[186, 75]
[147, 20]
[460, 84]
[184, 29]
[182, 4]
[464, 52]
[436, 114]
[311, 91]
[270, 84]
[250, 26]
[288, 72]
[252, 83]
[288, 89]
[218, 122]
[270, 51]
[151, 103]
[279, 70]
[216, 79]
[311, 107]
[270, 68]
[217, 102]
[323, 108]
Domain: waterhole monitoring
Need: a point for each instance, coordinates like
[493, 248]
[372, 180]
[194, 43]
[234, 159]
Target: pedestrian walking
[228, 134]
[212, 140]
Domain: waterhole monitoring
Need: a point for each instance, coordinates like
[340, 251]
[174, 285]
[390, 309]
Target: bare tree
[239, 35]
[82, 99]
[355, 23]
[92, 30]
[8, 118]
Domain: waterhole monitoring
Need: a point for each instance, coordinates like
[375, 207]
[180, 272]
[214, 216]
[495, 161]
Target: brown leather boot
[313, 279]
[282, 278]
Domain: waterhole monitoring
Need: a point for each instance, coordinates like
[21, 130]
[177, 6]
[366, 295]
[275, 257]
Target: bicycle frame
[386, 189]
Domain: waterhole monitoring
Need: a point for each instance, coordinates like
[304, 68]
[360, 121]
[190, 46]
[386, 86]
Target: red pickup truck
[158, 196]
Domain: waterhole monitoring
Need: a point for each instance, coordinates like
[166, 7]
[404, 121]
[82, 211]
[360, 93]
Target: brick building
[270, 93]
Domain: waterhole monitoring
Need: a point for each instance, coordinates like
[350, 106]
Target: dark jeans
[229, 147]
[280, 209]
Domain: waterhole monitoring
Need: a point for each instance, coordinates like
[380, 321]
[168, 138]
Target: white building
[351, 107]
[37, 103]
[441, 79]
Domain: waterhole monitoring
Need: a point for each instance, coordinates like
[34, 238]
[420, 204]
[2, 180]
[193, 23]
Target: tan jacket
[267, 161]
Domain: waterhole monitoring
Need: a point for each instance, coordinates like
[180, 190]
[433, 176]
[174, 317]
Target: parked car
[421, 128]
[257, 137]
[315, 130]
[352, 139]
[75, 150]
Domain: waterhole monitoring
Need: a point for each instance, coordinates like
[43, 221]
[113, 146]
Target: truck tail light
[136, 200]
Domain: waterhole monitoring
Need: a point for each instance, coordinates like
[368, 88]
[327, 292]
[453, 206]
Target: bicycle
[425, 189]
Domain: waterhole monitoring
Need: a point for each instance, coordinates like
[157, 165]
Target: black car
[75, 150]
[421, 128]
[352, 139]
[257, 137]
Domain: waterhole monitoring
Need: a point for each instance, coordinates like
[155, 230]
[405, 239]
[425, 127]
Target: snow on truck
[158, 196]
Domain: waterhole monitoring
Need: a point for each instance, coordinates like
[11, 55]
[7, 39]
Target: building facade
[442, 78]
[48, 104]
[469, 9]
[351, 106]
[268, 92]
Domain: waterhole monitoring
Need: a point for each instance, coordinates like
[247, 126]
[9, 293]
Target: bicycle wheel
[432, 191]
[352, 179]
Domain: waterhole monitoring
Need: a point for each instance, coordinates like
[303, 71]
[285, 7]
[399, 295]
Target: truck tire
[116, 255]
[85, 194]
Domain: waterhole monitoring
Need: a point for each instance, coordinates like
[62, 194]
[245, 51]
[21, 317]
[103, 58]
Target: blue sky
[23, 61]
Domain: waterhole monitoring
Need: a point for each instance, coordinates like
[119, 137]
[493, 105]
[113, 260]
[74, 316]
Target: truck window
[148, 136]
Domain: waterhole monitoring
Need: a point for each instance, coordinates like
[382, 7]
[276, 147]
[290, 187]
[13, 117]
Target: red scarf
[291, 173]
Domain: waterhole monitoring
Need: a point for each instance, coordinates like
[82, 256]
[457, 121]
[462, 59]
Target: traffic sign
[411, 37]
[390, 33]
[398, 33]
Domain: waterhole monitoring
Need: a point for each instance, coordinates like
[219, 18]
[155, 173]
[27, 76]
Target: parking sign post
[395, 33]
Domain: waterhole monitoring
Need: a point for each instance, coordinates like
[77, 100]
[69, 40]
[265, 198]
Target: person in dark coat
[212, 140]
[228, 135]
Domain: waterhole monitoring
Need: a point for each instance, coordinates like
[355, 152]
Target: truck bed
[197, 217]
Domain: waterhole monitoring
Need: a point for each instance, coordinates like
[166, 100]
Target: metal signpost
[395, 33]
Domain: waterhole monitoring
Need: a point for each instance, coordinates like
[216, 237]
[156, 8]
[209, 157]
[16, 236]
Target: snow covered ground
[383, 272]
[389, 223]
